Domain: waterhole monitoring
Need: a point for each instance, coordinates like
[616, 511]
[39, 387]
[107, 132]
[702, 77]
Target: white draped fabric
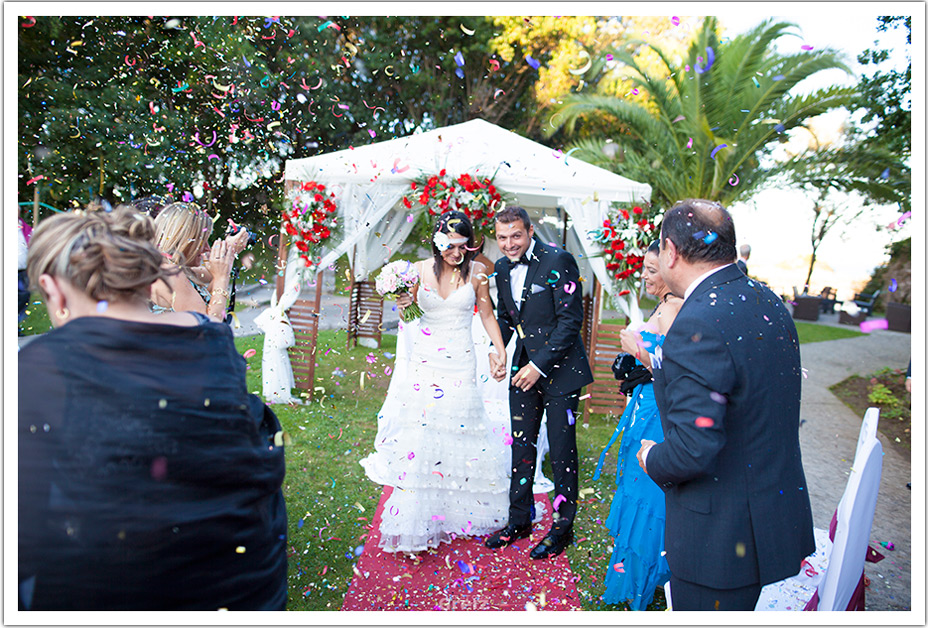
[369, 182]
[278, 334]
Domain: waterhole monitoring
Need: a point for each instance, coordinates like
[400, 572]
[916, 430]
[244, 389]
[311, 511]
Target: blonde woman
[202, 285]
[148, 475]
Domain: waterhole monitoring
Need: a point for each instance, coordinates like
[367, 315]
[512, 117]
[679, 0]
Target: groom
[540, 299]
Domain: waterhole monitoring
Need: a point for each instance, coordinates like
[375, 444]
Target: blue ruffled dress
[636, 518]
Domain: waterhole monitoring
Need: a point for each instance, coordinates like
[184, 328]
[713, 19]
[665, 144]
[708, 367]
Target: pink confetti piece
[619, 567]
[879, 323]
[690, 143]
[704, 421]
[249, 353]
[807, 47]
[675, 20]
[411, 455]
[558, 500]
[570, 287]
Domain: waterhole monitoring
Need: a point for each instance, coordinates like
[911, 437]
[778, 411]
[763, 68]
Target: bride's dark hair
[457, 223]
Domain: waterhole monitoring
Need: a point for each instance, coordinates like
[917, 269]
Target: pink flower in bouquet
[397, 278]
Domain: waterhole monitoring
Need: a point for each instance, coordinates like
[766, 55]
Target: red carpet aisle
[463, 575]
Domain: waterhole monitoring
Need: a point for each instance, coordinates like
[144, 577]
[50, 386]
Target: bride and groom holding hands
[447, 468]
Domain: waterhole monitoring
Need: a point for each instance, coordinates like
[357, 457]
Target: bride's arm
[485, 308]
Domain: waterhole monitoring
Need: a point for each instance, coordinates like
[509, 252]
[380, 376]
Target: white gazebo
[565, 197]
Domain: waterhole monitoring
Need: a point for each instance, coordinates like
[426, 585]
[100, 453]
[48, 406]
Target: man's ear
[671, 253]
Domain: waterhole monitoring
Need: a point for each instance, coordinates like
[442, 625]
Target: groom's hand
[497, 367]
[525, 378]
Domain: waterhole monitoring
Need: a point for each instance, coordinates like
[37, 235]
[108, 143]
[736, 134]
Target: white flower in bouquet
[397, 278]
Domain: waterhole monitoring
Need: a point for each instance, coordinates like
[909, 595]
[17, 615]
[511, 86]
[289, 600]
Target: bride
[448, 470]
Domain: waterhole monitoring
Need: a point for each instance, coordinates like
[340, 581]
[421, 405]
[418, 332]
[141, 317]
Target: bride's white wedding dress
[435, 444]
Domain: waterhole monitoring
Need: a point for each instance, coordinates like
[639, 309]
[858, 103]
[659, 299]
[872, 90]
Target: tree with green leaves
[708, 119]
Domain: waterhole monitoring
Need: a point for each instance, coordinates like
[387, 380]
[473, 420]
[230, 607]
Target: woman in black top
[148, 476]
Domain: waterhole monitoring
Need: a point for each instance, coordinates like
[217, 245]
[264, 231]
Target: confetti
[558, 500]
[893, 285]
[879, 323]
[690, 143]
[716, 150]
[807, 47]
[570, 417]
[102, 305]
[532, 62]
[734, 180]
[467, 31]
[410, 455]
[704, 421]
[249, 353]
[675, 20]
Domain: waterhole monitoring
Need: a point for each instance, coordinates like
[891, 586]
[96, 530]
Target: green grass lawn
[810, 332]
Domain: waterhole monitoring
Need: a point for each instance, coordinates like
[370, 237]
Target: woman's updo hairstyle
[181, 232]
[455, 224]
[107, 255]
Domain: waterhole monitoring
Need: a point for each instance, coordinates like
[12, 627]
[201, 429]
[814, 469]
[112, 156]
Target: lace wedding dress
[435, 443]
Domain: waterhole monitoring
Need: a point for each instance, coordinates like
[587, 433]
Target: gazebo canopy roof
[531, 173]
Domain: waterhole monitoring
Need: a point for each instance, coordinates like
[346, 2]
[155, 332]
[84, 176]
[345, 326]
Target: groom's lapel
[535, 262]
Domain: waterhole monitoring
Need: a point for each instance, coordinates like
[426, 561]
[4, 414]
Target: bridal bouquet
[396, 278]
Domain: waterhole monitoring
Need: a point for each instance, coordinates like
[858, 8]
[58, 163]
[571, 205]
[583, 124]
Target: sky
[778, 223]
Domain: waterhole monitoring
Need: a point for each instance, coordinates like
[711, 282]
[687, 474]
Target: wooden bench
[365, 315]
[304, 319]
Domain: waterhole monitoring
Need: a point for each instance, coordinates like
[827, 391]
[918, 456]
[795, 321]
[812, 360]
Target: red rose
[625, 214]
[636, 210]
[442, 172]
[407, 203]
[424, 199]
[413, 185]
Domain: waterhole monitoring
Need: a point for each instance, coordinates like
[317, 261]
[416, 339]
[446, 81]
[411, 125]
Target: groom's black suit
[727, 386]
[548, 325]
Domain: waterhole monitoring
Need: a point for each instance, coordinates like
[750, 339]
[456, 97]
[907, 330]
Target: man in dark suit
[727, 382]
[540, 299]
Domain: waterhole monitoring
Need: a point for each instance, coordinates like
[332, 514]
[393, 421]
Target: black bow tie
[522, 260]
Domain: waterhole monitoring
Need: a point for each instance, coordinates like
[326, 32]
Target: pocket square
[536, 288]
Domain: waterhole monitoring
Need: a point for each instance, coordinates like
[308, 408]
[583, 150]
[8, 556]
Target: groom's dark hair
[512, 213]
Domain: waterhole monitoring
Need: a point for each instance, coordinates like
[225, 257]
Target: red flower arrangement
[476, 197]
[311, 220]
[625, 240]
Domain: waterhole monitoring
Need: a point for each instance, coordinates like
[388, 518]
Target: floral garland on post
[477, 197]
[311, 220]
[625, 240]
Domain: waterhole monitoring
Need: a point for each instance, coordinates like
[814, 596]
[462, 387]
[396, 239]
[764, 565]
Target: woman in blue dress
[636, 518]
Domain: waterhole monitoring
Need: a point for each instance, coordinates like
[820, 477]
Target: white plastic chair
[844, 558]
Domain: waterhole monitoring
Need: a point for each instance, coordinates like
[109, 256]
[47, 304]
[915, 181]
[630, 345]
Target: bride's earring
[63, 313]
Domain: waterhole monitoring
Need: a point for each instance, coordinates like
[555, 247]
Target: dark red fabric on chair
[463, 575]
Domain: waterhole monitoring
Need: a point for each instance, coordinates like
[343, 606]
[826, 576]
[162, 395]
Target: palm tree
[709, 119]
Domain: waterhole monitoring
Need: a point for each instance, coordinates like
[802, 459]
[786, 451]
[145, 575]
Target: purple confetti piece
[716, 150]
[570, 417]
[459, 58]
[893, 286]
[532, 62]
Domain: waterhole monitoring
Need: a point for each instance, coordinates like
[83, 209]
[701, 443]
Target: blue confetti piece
[893, 286]
[779, 128]
[459, 58]
[532, 62]
[299, 523]
[885, 174]
[459, 72]
[709, 239]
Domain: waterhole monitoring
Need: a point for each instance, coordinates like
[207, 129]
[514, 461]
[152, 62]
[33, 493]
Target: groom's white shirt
[517, 283]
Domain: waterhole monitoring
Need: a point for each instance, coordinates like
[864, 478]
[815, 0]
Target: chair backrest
[854, 520]
[868, 428]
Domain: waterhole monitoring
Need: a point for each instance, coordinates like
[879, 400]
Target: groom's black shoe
[509, 534]
[553, 544]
